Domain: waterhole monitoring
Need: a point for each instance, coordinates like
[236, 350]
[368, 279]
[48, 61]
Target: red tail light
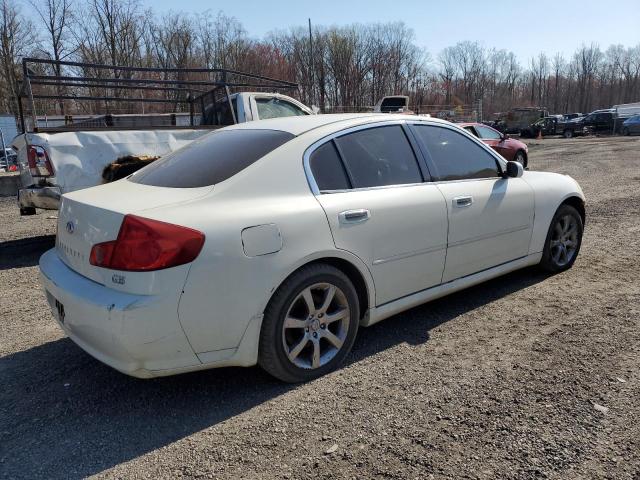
[144, 244]
[39, 162]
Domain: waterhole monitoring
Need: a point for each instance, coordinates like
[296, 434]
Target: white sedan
[271, 242]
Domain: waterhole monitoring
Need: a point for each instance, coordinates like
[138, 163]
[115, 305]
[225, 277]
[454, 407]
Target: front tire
[521, 157]
[567, 134]
[626, 132]
[564, 239]
[309, 325]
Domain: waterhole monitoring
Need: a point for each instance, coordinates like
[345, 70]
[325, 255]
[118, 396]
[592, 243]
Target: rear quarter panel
[225, 288]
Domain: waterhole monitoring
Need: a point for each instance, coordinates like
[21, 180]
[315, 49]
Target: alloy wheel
[564, 240]
[316, 325]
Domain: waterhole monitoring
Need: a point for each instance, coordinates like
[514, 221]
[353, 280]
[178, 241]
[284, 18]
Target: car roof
[298, 125]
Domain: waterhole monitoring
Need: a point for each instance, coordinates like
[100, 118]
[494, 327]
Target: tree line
[338, 68]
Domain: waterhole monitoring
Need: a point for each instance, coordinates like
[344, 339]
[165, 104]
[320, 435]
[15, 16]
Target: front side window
[379, 156]
[276, 108]
[455, 156]
[487, 133]
[211, 159]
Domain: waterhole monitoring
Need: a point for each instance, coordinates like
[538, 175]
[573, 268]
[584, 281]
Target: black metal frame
[221, 82]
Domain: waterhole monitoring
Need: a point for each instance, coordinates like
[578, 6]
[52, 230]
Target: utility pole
[312, 63]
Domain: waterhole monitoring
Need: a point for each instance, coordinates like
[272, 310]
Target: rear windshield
[211, 159]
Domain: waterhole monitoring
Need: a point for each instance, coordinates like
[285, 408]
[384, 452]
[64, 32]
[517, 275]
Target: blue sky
[549, 26]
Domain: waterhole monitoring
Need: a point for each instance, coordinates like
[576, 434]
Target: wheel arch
[577, 203]
[353, 268]
[356, 277]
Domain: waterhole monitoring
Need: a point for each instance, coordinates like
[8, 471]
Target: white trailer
[627, 110]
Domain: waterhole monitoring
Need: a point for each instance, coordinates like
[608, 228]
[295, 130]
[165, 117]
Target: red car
[509, 148]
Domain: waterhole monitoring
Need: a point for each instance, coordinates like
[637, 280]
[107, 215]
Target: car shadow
[24, 252]
[67, 415]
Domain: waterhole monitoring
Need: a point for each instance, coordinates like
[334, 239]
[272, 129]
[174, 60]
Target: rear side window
[225, 117]
[455, 156]
[211, 159]
[220, 113]
[327, 168]
[379, 156]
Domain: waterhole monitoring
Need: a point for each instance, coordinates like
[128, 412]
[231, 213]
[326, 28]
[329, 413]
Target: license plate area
[56, 306]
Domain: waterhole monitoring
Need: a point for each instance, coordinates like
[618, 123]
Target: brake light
[144, 245]
[39, 162]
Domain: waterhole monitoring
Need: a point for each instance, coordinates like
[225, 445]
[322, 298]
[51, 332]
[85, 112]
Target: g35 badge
[119, 279]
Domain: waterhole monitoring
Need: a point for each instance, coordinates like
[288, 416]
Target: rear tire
[564, 239]
[25, 211]
[567, 134]
[321, 309]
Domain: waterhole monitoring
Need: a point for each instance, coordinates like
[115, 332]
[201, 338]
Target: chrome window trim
[379, 123]
[378, 187]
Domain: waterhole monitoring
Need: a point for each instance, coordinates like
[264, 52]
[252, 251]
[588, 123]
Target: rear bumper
[136, 334]
[47, 197]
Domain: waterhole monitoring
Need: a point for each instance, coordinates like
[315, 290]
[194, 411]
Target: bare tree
[16, 40]
[350, 67]
[558, 71]
[56, 17]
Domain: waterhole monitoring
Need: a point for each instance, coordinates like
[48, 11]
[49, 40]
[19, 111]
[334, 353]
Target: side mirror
[505, 136]
[514, 169]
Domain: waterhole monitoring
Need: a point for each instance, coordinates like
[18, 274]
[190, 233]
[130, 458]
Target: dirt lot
[527, 376]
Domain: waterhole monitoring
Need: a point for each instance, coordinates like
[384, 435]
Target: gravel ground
[526, 376]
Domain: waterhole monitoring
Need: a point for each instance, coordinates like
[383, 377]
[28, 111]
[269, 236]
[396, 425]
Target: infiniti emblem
[70, 227]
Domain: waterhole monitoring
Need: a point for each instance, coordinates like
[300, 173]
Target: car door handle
[461, 202]
[354, 216]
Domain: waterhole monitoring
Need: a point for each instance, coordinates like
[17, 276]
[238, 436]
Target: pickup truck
[54, 161]
[554, 125]
[597, 121]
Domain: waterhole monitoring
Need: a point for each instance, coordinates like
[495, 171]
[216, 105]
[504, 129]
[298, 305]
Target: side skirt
[387, 310]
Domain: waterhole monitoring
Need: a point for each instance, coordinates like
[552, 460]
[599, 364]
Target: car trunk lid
[94, 215]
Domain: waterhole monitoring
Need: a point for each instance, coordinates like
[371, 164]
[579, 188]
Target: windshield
[276, 108]
[211, 159]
